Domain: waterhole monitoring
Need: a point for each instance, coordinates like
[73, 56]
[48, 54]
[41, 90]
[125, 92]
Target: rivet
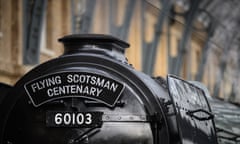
[131, 118]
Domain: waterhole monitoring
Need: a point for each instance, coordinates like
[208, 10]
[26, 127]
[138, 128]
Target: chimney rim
[89, 39]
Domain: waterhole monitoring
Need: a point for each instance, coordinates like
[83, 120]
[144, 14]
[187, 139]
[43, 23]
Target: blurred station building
[194, 39]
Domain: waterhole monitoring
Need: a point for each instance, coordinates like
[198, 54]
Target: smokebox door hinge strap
[192, 113]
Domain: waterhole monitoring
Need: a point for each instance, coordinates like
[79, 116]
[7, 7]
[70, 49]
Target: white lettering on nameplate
[74, 84]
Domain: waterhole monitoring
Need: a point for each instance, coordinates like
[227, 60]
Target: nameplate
[74, 84]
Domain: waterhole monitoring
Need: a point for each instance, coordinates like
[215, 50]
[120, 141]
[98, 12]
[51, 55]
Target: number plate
[73, 119]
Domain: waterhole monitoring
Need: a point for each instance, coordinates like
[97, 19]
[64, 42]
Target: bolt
[119, 118]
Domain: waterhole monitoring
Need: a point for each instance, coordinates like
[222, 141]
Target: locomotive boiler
[92, 95]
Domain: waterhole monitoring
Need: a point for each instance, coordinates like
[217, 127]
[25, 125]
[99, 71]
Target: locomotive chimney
[78, 43]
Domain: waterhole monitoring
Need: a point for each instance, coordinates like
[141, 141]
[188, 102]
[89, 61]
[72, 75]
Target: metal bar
[144, 44]
[219, 81]
[124, 29]
[201, 66]
[33, 14]
[232, 95]
[223, 65]
[26, 8]
[169, 43]
[86, 22]
[173, 61]
[188, 62]
[112, 15]
[203, 62]
[73, 16]
[145, 54]
[234, 85]
[186, 36]
[149, 67]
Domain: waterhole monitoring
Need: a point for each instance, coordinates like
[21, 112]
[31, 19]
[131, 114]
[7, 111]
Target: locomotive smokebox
[92, 95]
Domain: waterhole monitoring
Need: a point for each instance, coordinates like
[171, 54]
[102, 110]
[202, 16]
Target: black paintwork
[143, 113]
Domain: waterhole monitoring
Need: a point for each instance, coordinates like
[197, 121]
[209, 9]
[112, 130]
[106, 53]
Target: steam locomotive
[91, 94]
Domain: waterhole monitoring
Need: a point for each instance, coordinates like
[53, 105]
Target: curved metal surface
[226, 118]
[194, 118]
[137, 120]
